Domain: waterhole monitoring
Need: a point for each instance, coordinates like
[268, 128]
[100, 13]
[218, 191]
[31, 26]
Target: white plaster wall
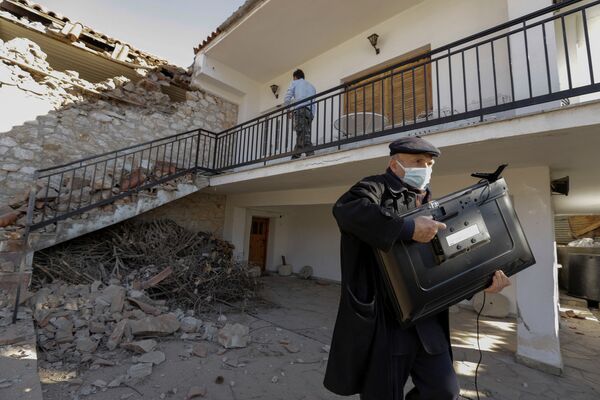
[584, 192]
[279, 207]
[430, 23]
[314, 239]
[226, 82]
[304, 234]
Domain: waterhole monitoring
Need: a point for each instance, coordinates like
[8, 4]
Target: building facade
[489, 82]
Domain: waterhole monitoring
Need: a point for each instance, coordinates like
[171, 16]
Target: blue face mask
[416, 177]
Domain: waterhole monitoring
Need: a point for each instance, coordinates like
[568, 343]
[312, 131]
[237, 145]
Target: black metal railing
[521, 63]
[92, 182]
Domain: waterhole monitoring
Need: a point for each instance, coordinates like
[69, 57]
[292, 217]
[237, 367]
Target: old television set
[483, 234]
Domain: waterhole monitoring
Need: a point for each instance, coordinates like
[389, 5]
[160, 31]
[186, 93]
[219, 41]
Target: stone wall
[198, 212]
[67, 121]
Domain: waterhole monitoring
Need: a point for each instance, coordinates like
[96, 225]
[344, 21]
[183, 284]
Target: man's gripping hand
[499, 282]
[426, 228]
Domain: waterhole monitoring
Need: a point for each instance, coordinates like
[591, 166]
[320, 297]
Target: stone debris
[141, 346]
[5, 383]
[99, 383]
[200, 350]
[196, 391]
[79, 326]
[190, 324]
[86, 345]
[117, 334]
[572, 314]
[163, 325]
[210, 331]
[139, 371]
[306, 272]
[291, 348]
[234, 336]
[154, 357]
[64, 330]
[117, 381]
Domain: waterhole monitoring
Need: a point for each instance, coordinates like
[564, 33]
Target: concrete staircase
[13, 250]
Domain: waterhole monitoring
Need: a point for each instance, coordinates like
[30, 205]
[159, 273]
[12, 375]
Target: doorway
[259, 232]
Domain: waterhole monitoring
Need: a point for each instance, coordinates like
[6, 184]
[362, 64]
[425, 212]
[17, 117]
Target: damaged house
[110, 132]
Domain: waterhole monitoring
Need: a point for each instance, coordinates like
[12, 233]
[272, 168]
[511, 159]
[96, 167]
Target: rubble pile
[187, 269]
[94, 325]
[24, 65]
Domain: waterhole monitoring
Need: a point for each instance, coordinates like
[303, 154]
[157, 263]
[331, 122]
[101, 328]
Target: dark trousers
[432, 374]
[302, 123]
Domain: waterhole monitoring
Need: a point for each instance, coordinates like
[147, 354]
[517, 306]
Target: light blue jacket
[300, 89]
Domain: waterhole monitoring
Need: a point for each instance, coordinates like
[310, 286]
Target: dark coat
[366, 334]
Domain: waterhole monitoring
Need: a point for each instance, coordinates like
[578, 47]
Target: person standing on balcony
[303, 113]
[370, 353]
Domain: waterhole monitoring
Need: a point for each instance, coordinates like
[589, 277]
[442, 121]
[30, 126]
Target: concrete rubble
[234, 335]
[75, 322]
[154, 357]
[91, 325]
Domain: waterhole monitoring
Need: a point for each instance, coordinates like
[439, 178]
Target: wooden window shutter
[408, 86]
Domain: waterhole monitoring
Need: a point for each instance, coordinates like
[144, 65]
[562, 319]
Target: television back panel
[482, 235]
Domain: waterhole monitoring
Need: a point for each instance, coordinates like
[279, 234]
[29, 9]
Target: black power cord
[479, 347]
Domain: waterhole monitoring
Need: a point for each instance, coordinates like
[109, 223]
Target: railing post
[265, 130]
[214, 161]
[197, 148]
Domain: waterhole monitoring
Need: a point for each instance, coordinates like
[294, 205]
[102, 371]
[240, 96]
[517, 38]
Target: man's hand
[499, 282]
[426, 228]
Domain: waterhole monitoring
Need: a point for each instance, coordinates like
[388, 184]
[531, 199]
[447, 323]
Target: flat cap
[413, 145]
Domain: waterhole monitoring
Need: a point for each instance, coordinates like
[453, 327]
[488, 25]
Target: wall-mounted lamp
[560, 186]
[373, 39]
[275, 89]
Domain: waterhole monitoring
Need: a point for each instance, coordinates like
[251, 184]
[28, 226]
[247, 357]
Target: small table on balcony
[360, 123]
